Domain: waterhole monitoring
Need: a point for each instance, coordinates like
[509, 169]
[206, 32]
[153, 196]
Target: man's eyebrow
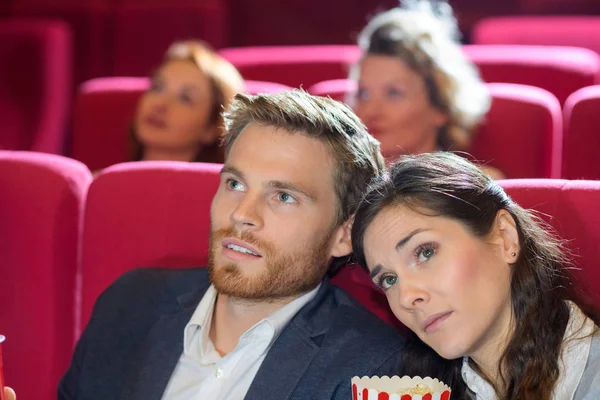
[282, 185]
[228, 169]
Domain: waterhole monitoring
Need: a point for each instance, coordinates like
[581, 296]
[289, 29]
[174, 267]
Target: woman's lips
[434, 322]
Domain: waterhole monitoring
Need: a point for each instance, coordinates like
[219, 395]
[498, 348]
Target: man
[262, 321]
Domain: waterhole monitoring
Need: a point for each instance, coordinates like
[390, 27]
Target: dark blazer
[134, 339]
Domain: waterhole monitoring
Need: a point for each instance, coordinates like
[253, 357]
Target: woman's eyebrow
[402, 242]
[375, 271]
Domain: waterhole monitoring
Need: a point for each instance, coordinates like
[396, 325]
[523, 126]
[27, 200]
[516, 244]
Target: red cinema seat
[571, 207]
[145, 28]
[559, 70]
[104, 109]
[103, 112]
[145, 214]
[582, 134]
[577, 31]
[91, 23]
[35, 84]
[521, 134]
[41, 209]
[338, 89]
[294, 66]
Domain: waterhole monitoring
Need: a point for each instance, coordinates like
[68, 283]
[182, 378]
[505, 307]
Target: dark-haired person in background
[484, 288]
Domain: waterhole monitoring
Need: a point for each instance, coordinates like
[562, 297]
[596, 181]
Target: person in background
[485, 289]
[262, 320]
[417, 91]
[179, 117]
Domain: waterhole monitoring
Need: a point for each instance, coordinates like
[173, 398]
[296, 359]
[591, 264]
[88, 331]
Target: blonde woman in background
[417, 91]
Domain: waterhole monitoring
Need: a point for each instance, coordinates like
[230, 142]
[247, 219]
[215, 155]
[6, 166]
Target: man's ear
[342, 243]
[507, 235]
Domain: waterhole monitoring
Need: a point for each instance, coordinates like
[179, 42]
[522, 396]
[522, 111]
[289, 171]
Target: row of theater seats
[65, 237]
[522, 134]
[128, 36]
[119, 37]
[35, 100]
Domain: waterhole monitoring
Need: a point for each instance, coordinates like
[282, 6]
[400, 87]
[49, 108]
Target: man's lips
[228, 242]
[435, 321]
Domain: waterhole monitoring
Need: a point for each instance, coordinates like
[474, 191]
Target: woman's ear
[507, 236]
[342, 245]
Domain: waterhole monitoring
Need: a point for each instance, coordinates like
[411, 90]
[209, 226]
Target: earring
[513, 254]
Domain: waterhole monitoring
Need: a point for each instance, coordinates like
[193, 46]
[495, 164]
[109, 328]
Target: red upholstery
[91, 22]
[103, 111]
[144, 29]
[337, 89]
[571, 207]
[35, 81]
[560, 70]
[294, 66]
[145, 214]
[582, 134]
[521, 134]
[578, 31]
[41, 209]
[102, 115]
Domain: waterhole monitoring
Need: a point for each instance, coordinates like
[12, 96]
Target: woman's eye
[156, 86]
[395, 93]
[362, 94]
[286, 198]
[234, 185]
[185, 98]
[425, 253]
[387, 281]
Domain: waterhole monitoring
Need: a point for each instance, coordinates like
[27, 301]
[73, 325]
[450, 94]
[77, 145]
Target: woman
[485, 290]
[417, 91]
[178, 118]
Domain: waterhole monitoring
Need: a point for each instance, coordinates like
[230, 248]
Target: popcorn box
[397, 388]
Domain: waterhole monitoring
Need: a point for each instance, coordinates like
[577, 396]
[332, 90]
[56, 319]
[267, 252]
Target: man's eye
[234, 184]
[286, 198]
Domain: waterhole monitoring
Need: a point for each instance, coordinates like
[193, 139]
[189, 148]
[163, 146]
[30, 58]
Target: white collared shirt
[202, 373]
[573, 358]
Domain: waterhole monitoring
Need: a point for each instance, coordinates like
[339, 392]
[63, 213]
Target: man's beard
[283, 275]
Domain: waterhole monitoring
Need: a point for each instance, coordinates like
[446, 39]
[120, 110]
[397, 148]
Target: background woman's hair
[446, 185]
[225, 82]
[424, 34]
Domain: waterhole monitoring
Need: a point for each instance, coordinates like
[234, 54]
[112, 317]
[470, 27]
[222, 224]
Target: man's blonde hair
[356, 154]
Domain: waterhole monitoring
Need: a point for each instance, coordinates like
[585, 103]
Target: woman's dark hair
[446, 185]
[225, 82]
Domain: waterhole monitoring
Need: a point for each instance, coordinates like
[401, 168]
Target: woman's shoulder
[589, 385]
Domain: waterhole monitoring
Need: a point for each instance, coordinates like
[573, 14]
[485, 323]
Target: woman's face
[174, 114]
[392, 101]
[448, 286]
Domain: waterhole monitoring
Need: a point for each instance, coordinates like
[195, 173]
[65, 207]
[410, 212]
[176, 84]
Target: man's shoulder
[150, 288]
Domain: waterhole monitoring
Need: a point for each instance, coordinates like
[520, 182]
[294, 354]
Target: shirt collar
[575, 351]
[200, 322]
